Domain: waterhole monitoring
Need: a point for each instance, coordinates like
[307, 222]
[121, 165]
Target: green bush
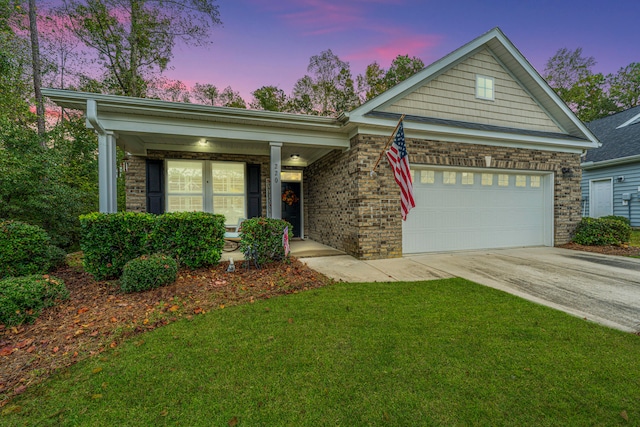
[23, 298]
[602, 231]
[109, 241]
[194, 239]
[263, 237]
[24, 249]
[57, 257]
[617, 218]
[148, 272]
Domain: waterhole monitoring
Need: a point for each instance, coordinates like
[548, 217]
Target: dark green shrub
[617, 218]
[194, 239]
[263, 236]
[602, 231]
[23, 298]
[148, 272]
[109, 241]
[57, 257]
[24, 249]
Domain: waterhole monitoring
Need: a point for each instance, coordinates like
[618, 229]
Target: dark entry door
[291, 196]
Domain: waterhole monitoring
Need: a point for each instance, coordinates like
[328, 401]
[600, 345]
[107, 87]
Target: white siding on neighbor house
[631, 184]
[452, 96]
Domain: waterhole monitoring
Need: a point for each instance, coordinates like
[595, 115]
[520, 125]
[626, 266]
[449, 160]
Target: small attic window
[484, 87]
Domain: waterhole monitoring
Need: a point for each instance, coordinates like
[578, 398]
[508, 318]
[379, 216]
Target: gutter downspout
[107, 185]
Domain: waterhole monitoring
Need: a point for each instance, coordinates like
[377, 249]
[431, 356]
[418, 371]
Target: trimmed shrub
[109, 241]
[193, 239]
[57, 257]
[24, 249]
[617, 218]
[263, 237]
[602, 231]
[148, 272]
[23, 298]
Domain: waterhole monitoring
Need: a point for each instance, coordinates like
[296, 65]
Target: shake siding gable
[451, 95]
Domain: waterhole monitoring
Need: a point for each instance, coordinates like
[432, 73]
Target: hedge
[262, 237]
[602, 231]
[109, 241]
[23, 298]
[24, 249]
[148, 272]
[194, 239]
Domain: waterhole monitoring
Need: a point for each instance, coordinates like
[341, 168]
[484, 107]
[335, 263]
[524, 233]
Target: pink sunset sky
[269, 42]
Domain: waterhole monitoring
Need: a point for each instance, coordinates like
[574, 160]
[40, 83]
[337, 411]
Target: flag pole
[393, 135]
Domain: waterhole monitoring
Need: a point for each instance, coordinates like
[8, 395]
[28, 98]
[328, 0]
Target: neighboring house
[495, 156]
[611, 173]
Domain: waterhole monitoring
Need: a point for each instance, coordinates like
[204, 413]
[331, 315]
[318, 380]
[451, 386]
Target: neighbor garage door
[471, 209]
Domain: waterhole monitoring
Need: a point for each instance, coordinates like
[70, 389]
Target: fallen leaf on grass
[174, 308]
[233, 422]
[6, 351]
[624, 415]
[164, 413]
[96, 370]
[55, 349]
[82, 310]
[96, 396]
[113, 344]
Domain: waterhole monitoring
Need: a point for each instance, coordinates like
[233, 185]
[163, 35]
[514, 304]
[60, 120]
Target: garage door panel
[456, 216]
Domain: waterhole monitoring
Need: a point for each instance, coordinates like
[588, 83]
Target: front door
[601, 198]
[291, 198]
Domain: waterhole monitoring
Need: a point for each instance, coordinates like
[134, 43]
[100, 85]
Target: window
[184, 185]
[484, 87]
[427, 177]
[448, 177]
[521, 180]
[487, 179]
[467, 178]
[224, 192]
[503, 180]
[535, 181]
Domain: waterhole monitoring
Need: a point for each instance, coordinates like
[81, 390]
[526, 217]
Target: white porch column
[276, 167]
[107, 172]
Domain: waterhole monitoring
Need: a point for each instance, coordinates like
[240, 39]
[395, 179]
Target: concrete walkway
[600, 288]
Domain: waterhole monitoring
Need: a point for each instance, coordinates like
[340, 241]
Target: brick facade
[348, 209]
[135, 179]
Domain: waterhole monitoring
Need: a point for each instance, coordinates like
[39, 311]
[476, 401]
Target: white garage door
[470, 209]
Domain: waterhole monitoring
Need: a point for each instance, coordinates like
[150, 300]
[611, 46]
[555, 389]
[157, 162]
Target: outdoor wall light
[620, 178]
[295, 156]
[567, 172]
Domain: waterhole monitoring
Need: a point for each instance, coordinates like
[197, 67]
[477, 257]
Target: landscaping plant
[24, 249]
[23, 298]
[610, 230]
[262, 238]
[194, 239]
[148, 272]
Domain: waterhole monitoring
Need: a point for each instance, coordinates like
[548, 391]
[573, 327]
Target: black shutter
[254, 201]
[155, 186]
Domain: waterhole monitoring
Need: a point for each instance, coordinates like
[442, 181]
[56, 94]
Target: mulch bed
[98, 316]
[606, 250]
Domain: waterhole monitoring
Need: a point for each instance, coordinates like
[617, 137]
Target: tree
[168, 90]
[625, 86]
[37, 68]
[205, 93]
[376, 80]
[564, 69]
[230, 98]
[135, 38]
[589, 99]
[269, 98]
[329, 90]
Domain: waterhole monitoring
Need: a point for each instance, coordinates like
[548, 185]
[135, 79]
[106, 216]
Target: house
[611, 173]
[495, 157]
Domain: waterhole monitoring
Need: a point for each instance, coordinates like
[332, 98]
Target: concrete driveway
[600, 288]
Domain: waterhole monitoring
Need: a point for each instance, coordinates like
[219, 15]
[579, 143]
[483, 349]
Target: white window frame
[482, 90]
[207, 184]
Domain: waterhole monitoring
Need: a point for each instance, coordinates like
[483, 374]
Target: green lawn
[446, 352]
[635, 238]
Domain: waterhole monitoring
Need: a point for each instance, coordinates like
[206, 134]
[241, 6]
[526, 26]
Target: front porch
[300, 248]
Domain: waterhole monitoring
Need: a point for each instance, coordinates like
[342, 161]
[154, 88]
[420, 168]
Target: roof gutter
[92, 116]
[610, 162]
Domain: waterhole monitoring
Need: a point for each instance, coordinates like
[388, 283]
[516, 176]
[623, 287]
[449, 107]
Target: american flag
[399, 161]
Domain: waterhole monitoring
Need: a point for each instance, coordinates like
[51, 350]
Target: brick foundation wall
[135, 180]
[348, 209]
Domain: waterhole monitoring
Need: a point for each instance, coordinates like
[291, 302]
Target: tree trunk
[37, 74]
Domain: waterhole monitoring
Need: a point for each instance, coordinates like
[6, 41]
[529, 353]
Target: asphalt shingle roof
[616, 142]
